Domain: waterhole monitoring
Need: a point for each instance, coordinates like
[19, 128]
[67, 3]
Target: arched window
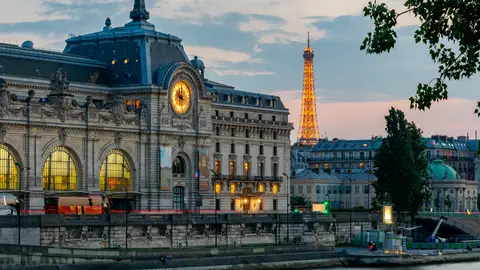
[178, 198]
[8, 169]
[179, 166]
[59, 171]
[115, 173]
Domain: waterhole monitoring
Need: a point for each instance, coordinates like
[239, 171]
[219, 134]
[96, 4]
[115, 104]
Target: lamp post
[351, 205]
[20, 168]
[215, 198]
[127, 203]
[288, 206]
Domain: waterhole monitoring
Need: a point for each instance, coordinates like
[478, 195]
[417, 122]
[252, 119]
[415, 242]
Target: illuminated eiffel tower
[308, 131]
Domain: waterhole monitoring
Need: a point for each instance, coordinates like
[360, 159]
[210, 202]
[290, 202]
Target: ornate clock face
[181, 97]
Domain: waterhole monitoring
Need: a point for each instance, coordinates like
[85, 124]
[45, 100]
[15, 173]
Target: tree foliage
[448, 202]
[401, 167]
[299, 201]
[441, 22]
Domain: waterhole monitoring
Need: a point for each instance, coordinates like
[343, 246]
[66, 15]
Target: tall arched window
[178, 198]
[179, 165]
[115, 173]
[8, 169]
[59, 171]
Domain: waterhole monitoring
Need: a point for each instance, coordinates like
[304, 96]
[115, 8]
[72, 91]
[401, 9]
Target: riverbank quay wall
[166, 231]
[13, 255]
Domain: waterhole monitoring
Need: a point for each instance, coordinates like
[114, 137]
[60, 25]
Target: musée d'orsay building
[123, 112]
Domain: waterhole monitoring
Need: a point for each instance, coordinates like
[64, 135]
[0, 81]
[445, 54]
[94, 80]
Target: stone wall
[166, 231]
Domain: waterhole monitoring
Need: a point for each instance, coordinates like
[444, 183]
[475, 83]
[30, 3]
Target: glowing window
[232, 188]
[365, 145]
[114, 61]
[275, 189]
[59, 171]
[361, 165]
[136, 61]
[8, 169]
[217, 167]
[232, 168]
[128, 102]
[217, 188]
[125, 61]
[115, 173]
[261, 188]
[246, 168]
[137, 103]
[325, 166]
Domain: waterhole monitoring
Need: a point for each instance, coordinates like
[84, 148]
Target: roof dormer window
[114, 61]
[229, 98]
[244, 100]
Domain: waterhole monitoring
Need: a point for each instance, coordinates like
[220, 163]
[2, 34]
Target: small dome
[197, 63]
[439, 171]
[27, 44]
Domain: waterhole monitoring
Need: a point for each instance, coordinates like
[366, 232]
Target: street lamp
[351, 204]
[288, 206]
[127, 203]
[215, 198]
[20, 168]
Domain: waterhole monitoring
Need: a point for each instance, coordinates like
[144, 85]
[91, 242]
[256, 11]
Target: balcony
[320, 159]
[450, 158]
[243, 178]
[250, 121]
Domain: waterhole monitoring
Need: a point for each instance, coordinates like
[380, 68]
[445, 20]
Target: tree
[448, 202]
[401, 167]
[436, 203]
[441, 22]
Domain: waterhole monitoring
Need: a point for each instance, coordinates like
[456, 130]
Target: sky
[256, 45]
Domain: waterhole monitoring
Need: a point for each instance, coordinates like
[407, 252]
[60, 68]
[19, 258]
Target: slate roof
[35, 63]
[309, 174]
[244, 98]
[358, 145]
[347, 145]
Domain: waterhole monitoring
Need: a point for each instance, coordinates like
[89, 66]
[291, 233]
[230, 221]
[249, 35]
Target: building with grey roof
[333, 163]
[125, 113]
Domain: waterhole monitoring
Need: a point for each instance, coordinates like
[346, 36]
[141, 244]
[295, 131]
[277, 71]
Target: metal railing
[221, 177]
[249, 121]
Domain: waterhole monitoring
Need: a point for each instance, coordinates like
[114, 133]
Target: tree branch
[406, 11]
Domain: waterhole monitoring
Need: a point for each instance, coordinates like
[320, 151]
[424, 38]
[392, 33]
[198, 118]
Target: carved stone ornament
[118, 137]
[232, 157]
[181, 142]
[275, 159]
[3, 131]
[247, 158]
[117, 112]
[62, 135]
[181, 124]
[261, 159]
[217, 156]
[9, 104]
[203, 124]
[60, 101]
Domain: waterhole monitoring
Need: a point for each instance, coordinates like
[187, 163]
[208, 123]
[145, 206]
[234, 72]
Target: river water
[455, 266]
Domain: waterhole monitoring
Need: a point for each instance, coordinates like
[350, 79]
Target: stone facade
[103, 134]
[168, 232]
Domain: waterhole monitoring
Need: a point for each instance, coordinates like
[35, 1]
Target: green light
[326, 211]
[296, 210]
[325, 202]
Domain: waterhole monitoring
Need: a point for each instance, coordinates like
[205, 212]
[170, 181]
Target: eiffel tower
[308, 133]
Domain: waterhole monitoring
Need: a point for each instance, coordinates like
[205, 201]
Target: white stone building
[122, 112]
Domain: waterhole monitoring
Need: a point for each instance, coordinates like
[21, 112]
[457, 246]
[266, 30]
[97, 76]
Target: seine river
[458, 266]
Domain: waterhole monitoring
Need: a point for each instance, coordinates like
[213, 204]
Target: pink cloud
[360, 120]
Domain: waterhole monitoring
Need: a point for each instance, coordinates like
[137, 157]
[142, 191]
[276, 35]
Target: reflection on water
[462, 266]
